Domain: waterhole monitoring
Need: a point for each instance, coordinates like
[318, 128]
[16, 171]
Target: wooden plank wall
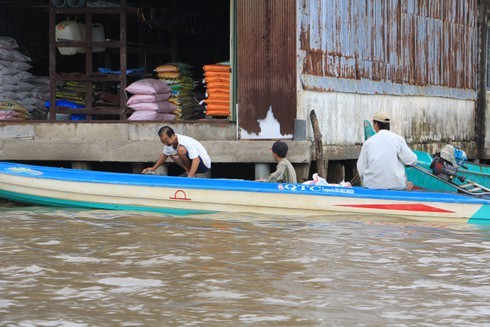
[266, 51]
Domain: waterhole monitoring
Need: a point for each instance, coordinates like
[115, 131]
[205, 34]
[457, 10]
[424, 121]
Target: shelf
[89, 76]
[91, 44]
[91, 111]
[96, 11]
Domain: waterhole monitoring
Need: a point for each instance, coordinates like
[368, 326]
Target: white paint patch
[269, 129]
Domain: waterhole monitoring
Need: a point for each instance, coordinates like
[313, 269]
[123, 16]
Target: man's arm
[361, 163]
[406, 155]
[194, 166]
[157, 164]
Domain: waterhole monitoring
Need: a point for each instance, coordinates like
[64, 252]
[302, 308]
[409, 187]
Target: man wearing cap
[381, 164]
[285, 172]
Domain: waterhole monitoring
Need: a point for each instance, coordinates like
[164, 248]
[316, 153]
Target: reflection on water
[65, 267]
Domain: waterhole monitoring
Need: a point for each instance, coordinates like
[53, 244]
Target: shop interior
[186, 35]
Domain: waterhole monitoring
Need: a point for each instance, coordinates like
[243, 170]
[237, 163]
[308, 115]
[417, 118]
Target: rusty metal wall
[401, 47]
[266, 55]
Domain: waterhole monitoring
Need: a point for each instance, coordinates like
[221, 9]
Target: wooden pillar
[320, 165]
[302, 172]
[481, 101]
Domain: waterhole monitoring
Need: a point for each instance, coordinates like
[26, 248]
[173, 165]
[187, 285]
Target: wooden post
[320, 166]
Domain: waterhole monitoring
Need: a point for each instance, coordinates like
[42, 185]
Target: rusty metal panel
[402, 47]
[266, 63]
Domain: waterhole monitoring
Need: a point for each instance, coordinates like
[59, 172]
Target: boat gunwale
[84, 176]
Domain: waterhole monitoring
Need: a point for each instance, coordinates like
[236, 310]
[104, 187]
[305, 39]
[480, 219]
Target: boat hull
[475, 173]
[184, 196]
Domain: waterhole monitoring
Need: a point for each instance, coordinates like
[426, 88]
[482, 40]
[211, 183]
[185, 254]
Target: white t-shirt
[381, 163]
[194, 148]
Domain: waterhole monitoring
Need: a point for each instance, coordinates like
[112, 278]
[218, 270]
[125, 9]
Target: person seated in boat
[184, 151]
[383, 157]
[285, 172]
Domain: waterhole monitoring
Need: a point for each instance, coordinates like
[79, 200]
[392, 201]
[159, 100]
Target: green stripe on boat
[41, 200]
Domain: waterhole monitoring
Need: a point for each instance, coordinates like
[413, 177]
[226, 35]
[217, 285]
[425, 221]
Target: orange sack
[219, 97]
[216, 68]
[217, 79]
[217, 102]
[212, 90]
[218, 107]
[216, 74]
[222, 113]
[219, 85]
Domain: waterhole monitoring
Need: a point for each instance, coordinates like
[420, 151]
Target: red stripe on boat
[406, 207]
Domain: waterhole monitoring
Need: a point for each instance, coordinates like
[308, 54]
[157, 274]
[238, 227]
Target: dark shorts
[201, 168]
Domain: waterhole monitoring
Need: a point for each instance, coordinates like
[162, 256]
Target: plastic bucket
[70, 31]
[98, 35]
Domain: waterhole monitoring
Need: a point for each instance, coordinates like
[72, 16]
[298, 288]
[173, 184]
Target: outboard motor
[446, 163]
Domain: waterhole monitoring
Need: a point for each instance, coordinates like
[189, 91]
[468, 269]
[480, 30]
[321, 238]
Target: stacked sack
[149, 100]
[15, 80]
[217, 79]
[73, 91]
[11, 110]
[178, 76]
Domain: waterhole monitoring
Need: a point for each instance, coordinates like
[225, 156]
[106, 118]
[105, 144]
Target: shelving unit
[89, 77]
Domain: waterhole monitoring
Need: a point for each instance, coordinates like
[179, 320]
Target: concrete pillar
[336, 173]
[262, 170]
[302, 172]
[81, 165]
[137, 168]
[299, 130]
[355, 179]
[204, 175]
[162, 170]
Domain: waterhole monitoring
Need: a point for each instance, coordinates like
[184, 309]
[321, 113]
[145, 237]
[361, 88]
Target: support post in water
[320, 166]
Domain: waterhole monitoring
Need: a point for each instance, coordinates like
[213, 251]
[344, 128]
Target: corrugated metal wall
[406, 47]
[266, 51]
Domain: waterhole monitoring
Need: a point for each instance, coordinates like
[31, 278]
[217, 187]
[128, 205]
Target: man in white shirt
[184, 151]
[381, 164]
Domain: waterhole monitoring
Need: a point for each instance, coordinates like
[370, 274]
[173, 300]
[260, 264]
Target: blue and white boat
[63, 187]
